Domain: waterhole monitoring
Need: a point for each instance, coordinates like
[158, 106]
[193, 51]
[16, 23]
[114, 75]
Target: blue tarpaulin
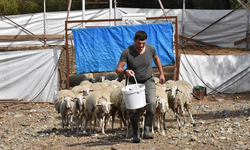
[99, 49]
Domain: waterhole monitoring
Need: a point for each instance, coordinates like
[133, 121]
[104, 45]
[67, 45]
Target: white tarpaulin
[218, 73]
[224, 33]
[29, 75]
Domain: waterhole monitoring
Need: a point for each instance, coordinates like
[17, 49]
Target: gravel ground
[222, 122]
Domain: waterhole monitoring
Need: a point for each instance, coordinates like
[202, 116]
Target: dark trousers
[150, 91]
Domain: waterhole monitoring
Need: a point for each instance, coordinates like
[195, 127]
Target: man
[138, 58]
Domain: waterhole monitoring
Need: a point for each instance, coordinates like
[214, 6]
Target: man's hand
[129, 73]
[162, 79]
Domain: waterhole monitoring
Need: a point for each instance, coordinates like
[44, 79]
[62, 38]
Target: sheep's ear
[167, 90]
[179, 90]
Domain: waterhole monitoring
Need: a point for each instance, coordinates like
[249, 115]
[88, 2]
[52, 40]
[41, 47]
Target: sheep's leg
[78, 119]
[107, 120]
[90, 124]
[102, 124]
[123, 116]
[177, 118]
[82, 120]
[164, 121]
[86, 123]
[71, 122]
[67, 120]
[63, 121]
[127, 131]
[161, 120]
[112, 113]
[143, 121]
[190, 115]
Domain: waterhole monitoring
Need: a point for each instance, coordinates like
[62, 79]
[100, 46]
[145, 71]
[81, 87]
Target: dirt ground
[222, 122]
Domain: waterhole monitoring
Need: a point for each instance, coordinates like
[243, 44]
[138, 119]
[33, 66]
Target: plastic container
[199, 91]
[134, 95]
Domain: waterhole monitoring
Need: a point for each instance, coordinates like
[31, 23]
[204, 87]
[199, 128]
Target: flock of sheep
[100, 102]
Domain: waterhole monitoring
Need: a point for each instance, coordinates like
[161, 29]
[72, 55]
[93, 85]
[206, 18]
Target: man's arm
[159, 66]
[119, 67]
[121, 71]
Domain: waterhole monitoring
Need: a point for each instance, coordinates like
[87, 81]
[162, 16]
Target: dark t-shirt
[141, 64]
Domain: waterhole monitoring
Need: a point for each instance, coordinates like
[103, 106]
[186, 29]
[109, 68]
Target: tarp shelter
[29, 75]
[218, 73]
[99, 49]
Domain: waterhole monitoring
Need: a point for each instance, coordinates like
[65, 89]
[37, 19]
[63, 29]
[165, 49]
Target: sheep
[63, 102]
[83, 90]
[79, 111]
[115, 83]
[98, 86]
[66, 110]
[86, 83]
[60, 96]
[117, 98]
[180, 97]
[157, 80]
[161, 108]
[97, 107]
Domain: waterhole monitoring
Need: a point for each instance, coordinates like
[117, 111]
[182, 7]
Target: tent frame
[175, 22]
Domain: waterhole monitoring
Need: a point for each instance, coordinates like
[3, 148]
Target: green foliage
[13, 7]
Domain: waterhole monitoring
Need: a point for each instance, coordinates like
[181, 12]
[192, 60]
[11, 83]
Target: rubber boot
[148, 127]
[134, 123]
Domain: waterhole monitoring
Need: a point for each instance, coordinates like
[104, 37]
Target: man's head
[140, 35]
[140, 40]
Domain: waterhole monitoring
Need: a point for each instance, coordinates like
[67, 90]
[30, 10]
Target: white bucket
[134, 95]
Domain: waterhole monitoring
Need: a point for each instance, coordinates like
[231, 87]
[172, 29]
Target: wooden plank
[197, 41]
[240, 41]
[14, 37]
[193, 46]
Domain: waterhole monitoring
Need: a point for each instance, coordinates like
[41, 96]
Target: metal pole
[183, 17]
[67, 45]
[44, 17]
[115, 11]
[70, 1]
[83, 13]
[247, 44]
[163, 9]
[110, 12]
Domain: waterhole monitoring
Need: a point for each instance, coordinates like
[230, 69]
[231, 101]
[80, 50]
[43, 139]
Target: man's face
[139, 45]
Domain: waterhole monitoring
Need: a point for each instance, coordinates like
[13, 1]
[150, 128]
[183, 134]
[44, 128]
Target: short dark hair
[141, 35]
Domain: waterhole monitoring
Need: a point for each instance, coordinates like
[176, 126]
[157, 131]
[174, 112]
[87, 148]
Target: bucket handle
[138, 90]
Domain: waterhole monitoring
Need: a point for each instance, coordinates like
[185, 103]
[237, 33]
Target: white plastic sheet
[224, 33]
[218, 73]
[29, 75]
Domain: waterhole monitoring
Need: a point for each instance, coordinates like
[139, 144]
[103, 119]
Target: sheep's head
[103, 107]
[86, 91]
[173, 91]
[161, 104]
[68, 100]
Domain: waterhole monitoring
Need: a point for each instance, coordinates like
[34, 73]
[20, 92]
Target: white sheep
[157, 80]
[60, 96]
[97, 107]
[118, 101]
[98, 86]
[115, 83]
[82, 90]
[180, 97]
[86, 83]
[79, 111]
[63, 102]
[161, 108]
[66, 110]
